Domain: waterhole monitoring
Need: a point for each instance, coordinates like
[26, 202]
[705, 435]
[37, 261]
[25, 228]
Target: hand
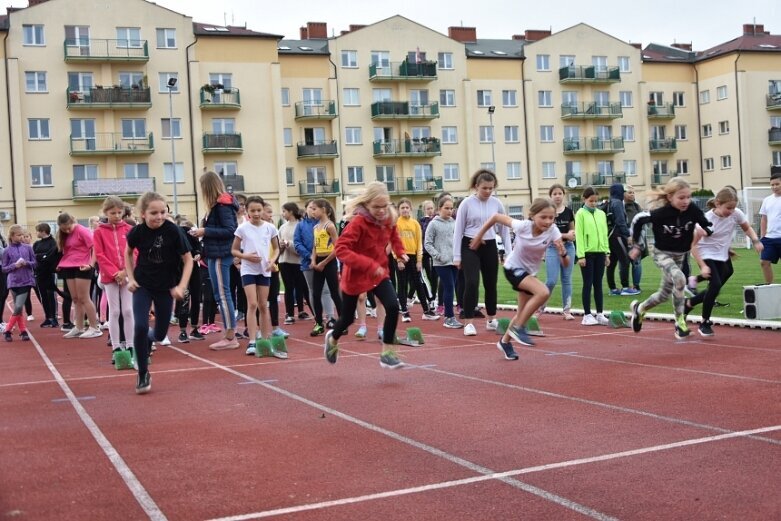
[758, 246]
[379, 272]
[318, 266]
[607, 260]
[457, 264]
[705, 271]
[419, 266]
[86, 267]
[177, 293]
[196, 257]
[132, 286]
[404, 258]
[400, 265]
[634, 253]
[197, 232]
[252, 257]
[582, 262]
[475, 243]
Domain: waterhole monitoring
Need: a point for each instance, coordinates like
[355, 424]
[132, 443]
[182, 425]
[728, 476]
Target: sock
[9, 327]
[22, 323]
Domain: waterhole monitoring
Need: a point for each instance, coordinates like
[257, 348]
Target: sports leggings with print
[673, 281]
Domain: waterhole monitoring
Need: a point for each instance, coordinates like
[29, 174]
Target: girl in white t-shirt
[532, 238]
[715, 251]
[257, 245]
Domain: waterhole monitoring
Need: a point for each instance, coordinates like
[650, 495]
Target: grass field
[747, 272]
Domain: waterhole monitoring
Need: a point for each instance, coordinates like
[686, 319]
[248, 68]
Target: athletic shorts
[76, 273]
[516, 276]
[255, 280]
[772, 251]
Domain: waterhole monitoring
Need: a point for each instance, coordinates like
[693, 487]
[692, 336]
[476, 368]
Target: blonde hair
[147, 197]
[15, 228]
[63, 218]
[373, 190]
[724, 196]
[112, 201]
[540, 204]
[212, 188]
[658, 198]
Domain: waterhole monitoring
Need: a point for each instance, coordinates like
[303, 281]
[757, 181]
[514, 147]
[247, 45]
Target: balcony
[663, 111]
[228, 143]
[83, 50]
[600, 179]
[773, 101]
[220, 99]
[111, 143]
[404, 71]
[233, 183]
[322, 188]
[593, 145]
[404, 110]
[592, 110]
[96, 98]
[423, 147]
[100, 188]
[325, 109]
[317, 150]
[661, 178]
[413, 185]
[774, 136]
[662, 146]
[589, 74]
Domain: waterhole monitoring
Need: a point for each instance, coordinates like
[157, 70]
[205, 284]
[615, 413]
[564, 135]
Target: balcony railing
[325, 109]
[110, 98]
[660, 178]
[423, 147]
[404, 110]
[220, 99]
[774, 136]
[404, 71]
[773, 101]
[324, 187]
[663, 111]
[593, 145]
[100, 188]
[222, 143]
[600, 179]
[412, 185]
[589, 74]
[662, 145]
[95, 50]
[591, 110]
[111, 143]
[317, 149]
[233, 183]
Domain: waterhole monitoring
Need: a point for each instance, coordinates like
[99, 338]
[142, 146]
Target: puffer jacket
[219, 226]
[110, 242]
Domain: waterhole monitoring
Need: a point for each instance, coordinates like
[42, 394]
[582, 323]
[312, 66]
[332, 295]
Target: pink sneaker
[440, 310]
[214, 328]
[225, 343]
[205, 329]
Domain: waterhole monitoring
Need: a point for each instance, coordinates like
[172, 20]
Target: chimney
[682, 46]
[518, 37]
[355, 27]
[637, 45]
[303, 33]
[754, 30]
[535, 35]
[463, 34]
[317, 30]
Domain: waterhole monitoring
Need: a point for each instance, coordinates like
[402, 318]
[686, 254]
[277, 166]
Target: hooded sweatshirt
[439, 240]
[620, 226]
[19, 276]
[110, 242]
[219, 226]
[303, 240]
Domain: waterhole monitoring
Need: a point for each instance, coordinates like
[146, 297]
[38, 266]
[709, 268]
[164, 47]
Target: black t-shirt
[159, 261]
[564, 219]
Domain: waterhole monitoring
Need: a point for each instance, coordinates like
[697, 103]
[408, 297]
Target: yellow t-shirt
[411, 236]
[323, 244]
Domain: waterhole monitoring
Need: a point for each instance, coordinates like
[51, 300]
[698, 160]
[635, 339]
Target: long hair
[373, 190]
[147, 197]
[212, 188]
[294, 210]
[723, 196]
[658, 197]
[112, 201]
[63, 218]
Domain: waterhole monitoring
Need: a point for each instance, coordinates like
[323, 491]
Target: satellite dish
[572, 182]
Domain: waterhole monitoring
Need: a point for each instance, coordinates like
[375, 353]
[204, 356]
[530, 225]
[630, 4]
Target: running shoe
[637, 316]
[25, 336]
[73, 333]
[430, 315]
[361, 333]
[469, 330]
[389, 360]
[521, 336]
[491, 325]
[280, 332]
[183, 338]
[589, 320]
[144, 383]
[452, 323]
[195, 335]
[681, 328]
[330, 347]
[706, 328]
[250, 349]
[289, 320]
[317, 330]
[405, 317]
[507, 349]
[602, 320]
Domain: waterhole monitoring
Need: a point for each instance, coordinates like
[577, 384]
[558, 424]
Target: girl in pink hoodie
[110, 241]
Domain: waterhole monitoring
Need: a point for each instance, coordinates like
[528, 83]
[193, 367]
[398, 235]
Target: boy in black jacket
[46, 256]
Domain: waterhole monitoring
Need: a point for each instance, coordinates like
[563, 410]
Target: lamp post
[171, 87]
[491, 111]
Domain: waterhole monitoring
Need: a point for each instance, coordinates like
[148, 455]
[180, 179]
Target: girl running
[565, 222]
[439, 245]
[593, 250]
[533, 238]
[323, 260]
[18, 264]
[361, 249]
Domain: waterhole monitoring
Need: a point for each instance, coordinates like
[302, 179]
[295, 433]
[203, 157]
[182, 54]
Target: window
[660, 167]
[726, 162]
[721, 92]
[628, 132]
[515, 212]
[352, 136]
[32, 34]
[163, 78]
[133, 128]
[488, 166]
[128, 37]
[509, 98]
[166, 38]
[354, 175]
[380, 59]
[569, 98]
[223, 125]
[174, 130]
[775, 121]
[84, 130]
[707, 130]
[566, 60]
[128, 79]
[776, 158]
[678, 99]
[683, 166]
[136, 170]
[546, 133]
[602, 98]
[625, 97]
[543, 62]
[708, 164]
[624, 64]
[424, 174]
[349, 59]
[385, 174]
[723, 127]
[315, 175]
[351, 97]
[680, 132]
[630, 167]
[486, 134]
[38, 129]
[35, 81]
[287, 137]
[658, 132]
[226, 167]
[599, 63]
[221, 78]
[285, 96]
[511, 134]
[514, 170]
[381, 95]
[548, 170]
[85, 172]
[79, 81]
[451, 172]
[445, 61]
[449, 135]
[77, 36]
[656, 98]
[572, 169]
[289, 176]
[447, 98]
[41, 175]
[484, 98]
[168, 177]
[544, 98]
[704, 97]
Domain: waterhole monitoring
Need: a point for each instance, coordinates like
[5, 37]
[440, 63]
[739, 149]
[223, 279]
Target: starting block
[414, 337]
[618, 319]
[278, 347]
[502, 325]
[123, 359]
[533, 327]
[263, 348]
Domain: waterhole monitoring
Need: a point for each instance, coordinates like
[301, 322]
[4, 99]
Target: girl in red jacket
[361, 249]
[109, 242]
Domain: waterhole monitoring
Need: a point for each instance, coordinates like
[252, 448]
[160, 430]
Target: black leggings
[273, 299]
[3, 294]
[411, 277]
[296, 291]
[187, 309]
[47, 287]
[720, 272]
[484, 261]
[592, 274]
[619, 258]
[330, 276]
[383, 292]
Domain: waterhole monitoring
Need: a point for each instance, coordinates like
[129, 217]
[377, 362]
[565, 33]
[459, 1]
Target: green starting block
[123, 359]
[263, 347]
[278, 347]
[502, 325]
[414, 338]
[533, 327]
[618, 319]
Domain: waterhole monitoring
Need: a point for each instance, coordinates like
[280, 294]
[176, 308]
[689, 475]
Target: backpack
[608, 209]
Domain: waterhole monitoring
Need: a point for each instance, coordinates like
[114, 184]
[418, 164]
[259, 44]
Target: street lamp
[171, 87]
[491, 111]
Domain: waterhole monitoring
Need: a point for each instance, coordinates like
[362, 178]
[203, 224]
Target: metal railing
[591, 110]
[317, 149]
[111, 143]
[665, 110]
[408, 147]
[589, 74]
[663, 145]
[220, 98]
[403, 71]
[94, 188]
[222, 142]
[98, 97]
[325, 109]
[404, 110]
[323, 187]
[91, 49]
[593, 145]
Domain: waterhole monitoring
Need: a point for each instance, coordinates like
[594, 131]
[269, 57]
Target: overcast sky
[703, 23]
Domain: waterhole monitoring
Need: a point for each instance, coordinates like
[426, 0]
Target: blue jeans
[220, 275]
[553, 268]
[447, 280]
[143, 299]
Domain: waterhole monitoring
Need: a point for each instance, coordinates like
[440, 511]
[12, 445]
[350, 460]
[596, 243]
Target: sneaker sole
[521, 341]
[327, 347]
[500, 348]
[388, 366]
[636, 320]
[706, 335]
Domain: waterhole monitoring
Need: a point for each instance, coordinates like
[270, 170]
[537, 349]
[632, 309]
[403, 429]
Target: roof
[503, 49]
[201, 29]
[655, 52]
[290, 47]
[746, 43]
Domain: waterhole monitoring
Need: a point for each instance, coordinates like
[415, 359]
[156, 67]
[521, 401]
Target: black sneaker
[705, 328]
[144, 383]
[240, 336]
[389, 360]
[25, 336]
[46, 323]
[330, 324]
[54, 324]
[304, 316]
[67, 326]
[195, 334]
[183, 338]
[507, 349]
[317, 330]
[330, 349]
[521, 335]
[289, 319]
[8, 336]
[637, 317]
[478, 313]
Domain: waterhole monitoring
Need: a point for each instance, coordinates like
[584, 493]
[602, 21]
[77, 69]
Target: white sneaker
[469, 330]
[30, 318]
[2, 327]
[104, 325]
[491, 325]
[589, 320]
[73, 333]
[568, 316]
[166, 341]
[602, 320]
[91, 332]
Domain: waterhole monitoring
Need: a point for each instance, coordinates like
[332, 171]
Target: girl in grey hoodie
[439, 244]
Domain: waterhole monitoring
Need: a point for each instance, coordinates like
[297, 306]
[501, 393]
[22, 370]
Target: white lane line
[497, 475]
[127, 475]
[548, 496]
[80, 398]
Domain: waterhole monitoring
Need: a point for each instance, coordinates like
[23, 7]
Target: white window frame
[226, 168]
[486, 134]
[514, 170]
[628, 132]
[38, 129]
[543, 62]
[168, 178]
[165, 37]
[167, 133]
[355, 175]
[546, 134]
[137, 127]
[721, 92]
[566, 60]
[86, 172]
[681, 133]
[484, 98]
[449, 135]
[723, 127]
[351, 97]
[285, 95]
[445, 61]
[707, 130]
[290, 176]
[512, 134]
[224, 126]
[708, 164]
[682, 166]
[548, 170]
[626, 98]
[725, 161]
[510, 98]
[163, 78]
[287, 136]
[704, 97]
[129, 78]
[630, 167]
[447, 98]
[33, 35]
[544, 98]
[776, 158]
[131, 37]
[352, 136]
[624, 64]
[451, 172]
[41, 174]
[679, 99]
[349, 59]
[38, 81]
[136, 170]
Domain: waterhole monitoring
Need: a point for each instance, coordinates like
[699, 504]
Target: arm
[237, 252]
[349, 251]
[458, 232]
[178, 291]
[699, 233]
[227, 223]
[331, 229]
[494, 219]
[275, 250]
[565, 260]
[751, 234]
[132, 285]
[429, 242]
[104, 261]
[763, 226]
[419, 246]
